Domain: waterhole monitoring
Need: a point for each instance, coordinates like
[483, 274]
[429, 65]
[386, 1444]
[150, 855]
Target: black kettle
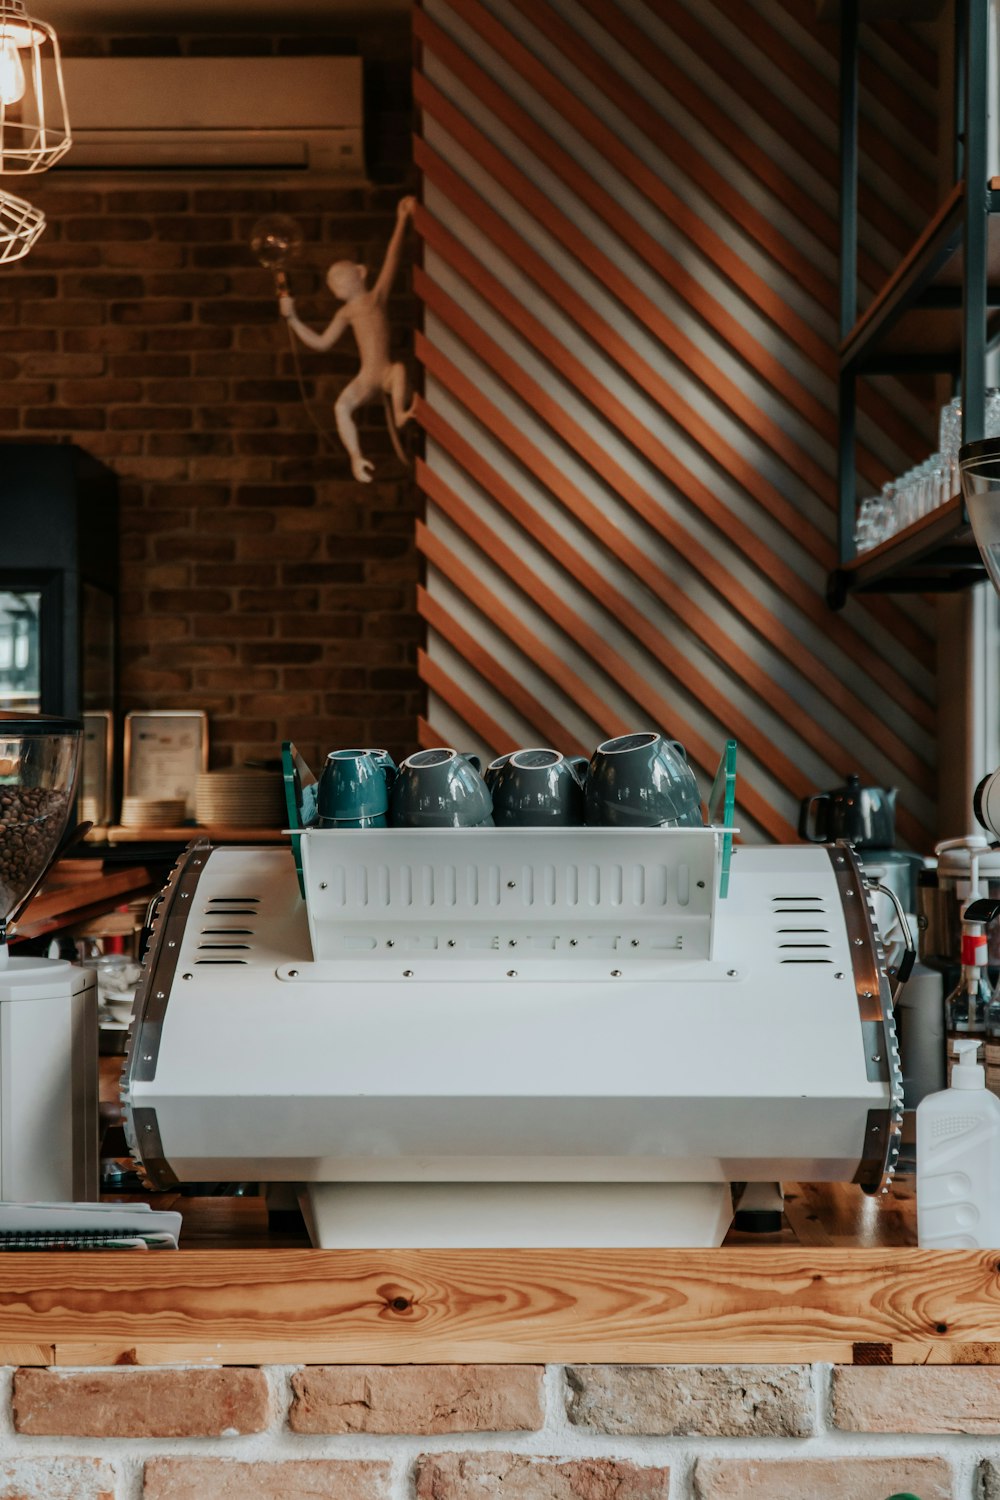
[866, 815]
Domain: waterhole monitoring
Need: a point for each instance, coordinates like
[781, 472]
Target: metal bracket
[883, 1133]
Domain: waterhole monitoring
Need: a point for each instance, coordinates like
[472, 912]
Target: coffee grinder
[48, 1008]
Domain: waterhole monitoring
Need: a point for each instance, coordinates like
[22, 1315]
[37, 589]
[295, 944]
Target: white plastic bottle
[958, 1160]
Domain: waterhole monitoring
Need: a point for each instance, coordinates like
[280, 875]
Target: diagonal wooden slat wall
[629, 228]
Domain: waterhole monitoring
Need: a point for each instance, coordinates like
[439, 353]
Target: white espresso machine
[514, 1036]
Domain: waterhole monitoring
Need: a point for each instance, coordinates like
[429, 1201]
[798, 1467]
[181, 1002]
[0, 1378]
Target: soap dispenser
[958, 1160]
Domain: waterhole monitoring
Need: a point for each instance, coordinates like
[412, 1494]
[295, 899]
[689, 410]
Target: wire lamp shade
[34, 127]
[20, 227]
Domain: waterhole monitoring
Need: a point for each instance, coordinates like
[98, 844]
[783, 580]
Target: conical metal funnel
[979, 467]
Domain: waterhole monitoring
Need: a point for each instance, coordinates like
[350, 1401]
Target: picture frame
[97, 767]
[164, 753]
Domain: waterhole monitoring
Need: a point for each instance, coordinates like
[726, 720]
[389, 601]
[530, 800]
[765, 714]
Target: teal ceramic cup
[537, 789]
[352, 789]
[439, 789]
[642, 781]
[383, 759]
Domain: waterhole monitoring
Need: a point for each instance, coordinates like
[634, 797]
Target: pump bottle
[958, 1160]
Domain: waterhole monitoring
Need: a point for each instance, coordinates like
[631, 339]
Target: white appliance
[514, 1036]
[48, 1009]
[283, 114]
[48, 1080]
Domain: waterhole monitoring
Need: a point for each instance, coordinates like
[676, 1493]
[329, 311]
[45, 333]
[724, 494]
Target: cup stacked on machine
[354, 789]
[440, 789]
[639, 780]
[538, 788]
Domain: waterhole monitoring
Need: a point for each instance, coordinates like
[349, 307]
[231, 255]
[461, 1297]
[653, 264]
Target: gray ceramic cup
[352, 787]
[439, 789]
[642, 780]
[494, 767]
[537, 789]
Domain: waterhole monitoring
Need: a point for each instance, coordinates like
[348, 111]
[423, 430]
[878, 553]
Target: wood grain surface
[726, 1305]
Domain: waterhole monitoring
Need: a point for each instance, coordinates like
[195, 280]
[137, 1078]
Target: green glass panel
[722, 809]
[301, 789]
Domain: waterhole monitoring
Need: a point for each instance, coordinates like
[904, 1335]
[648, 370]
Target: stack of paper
[87, 1226]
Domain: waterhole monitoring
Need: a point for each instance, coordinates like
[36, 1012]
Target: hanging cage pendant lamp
[34, 127]
[20, 227]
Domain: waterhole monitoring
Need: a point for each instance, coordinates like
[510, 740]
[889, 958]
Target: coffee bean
[33, 821]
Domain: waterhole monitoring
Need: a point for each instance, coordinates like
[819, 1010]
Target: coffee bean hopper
[515, 1036]
[48, 1008]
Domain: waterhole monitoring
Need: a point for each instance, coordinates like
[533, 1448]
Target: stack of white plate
[149, 812]
[240, 799]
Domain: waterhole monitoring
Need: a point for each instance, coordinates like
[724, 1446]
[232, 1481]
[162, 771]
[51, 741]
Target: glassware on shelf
[950, 431]
[950, 439]
[915, 494]
[872, 523]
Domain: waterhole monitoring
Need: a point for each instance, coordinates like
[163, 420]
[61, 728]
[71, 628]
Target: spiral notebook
[87, 1226]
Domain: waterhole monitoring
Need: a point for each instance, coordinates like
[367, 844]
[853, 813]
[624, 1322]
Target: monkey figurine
[365, 310]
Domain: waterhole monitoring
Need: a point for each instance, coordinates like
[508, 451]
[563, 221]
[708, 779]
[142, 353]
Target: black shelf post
[976, 228]
[849, 33]
[907, 328]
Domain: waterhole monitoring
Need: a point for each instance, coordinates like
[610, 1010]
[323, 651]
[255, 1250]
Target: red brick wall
[472, 1432]
[260, 582]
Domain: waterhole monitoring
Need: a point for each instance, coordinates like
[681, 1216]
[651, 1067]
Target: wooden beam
[795, 330]
[645, 568]
[515, 248]
[616, 412]
[565, 682]
[538, 715]
[623, 483]
[767, 101]
[702, 624]
[626, 674]
[504, 1306]
[679, 149]
[619, 158]
[736, 137]
[434, 677]
[764, 361]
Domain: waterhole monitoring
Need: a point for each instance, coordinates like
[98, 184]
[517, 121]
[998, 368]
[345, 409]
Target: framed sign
[97, 770]
[165, 752]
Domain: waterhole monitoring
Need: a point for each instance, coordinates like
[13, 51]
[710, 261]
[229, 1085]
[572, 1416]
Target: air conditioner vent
[277, 114]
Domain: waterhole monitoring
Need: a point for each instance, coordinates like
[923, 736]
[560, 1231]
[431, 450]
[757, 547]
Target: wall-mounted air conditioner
[279, 114]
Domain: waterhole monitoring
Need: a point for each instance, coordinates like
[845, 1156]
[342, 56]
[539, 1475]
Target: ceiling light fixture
[34, 126]
[20, 227]
[12, 80]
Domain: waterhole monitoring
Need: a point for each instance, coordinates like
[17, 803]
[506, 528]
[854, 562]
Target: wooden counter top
[756, 1305]
[807, 1294]
[842, 1282]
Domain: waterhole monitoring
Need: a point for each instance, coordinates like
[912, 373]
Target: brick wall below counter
[500, 1432]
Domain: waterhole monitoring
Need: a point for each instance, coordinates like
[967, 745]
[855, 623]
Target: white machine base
[511, 1215]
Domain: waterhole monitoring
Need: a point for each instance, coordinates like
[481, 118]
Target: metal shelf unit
[939, 311]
